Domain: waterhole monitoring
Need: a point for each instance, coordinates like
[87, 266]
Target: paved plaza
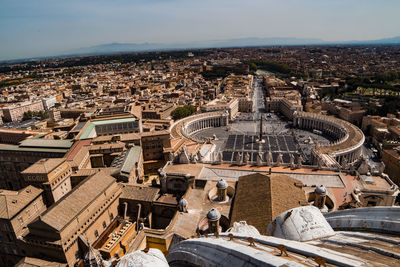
[248, 144]
[241, 135]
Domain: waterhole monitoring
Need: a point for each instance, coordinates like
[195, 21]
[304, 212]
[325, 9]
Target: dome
[242, 228]
[320, 190]
[183, 202]
[213, 214]
[153, 257]
[222, 184]
[300, 224]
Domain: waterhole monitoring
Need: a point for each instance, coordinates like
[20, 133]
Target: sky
[33, 28]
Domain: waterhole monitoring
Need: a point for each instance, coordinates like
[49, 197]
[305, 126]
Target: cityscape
[282, 154]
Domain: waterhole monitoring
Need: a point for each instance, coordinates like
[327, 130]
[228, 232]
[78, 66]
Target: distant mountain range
[114, 48]
[393, 40]
[239, 42]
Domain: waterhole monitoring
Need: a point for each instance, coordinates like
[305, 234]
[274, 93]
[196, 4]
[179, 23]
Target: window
[21, 221]
[96, 234]
[104, 225]
[77, 255]
[28, 213]
[111, 217]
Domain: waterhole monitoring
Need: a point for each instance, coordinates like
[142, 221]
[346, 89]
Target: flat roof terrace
[307, 177]
[40, 145]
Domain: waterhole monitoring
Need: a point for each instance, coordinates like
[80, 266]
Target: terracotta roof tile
[63, 212]
[142, 193]
[260, 198]
[44, 166]
[12, 202]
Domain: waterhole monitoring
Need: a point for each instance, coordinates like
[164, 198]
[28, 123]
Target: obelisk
[260, 139]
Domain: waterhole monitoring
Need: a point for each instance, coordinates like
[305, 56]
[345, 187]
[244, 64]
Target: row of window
[114, 133]
[111, 127]
[87, 222]
[67, 173]
[96, 233]
[148, 146]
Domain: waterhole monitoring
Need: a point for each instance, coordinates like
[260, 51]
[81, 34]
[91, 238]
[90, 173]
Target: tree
[252, 66]
[275, 67]
[29, 115]
[183, 112]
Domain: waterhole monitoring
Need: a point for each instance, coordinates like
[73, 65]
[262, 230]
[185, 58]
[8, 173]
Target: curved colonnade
[186, 127]
[346, 149]
[349, 139]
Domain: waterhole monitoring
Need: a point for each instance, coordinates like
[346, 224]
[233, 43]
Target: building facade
[52, 175]
[16, 112]
[16, 158]
[18, 209]
[82, 215]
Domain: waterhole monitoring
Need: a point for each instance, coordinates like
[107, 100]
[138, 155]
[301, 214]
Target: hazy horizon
[46, 28]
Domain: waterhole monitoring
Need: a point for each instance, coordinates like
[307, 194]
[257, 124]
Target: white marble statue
[238, 158]
[259, 159]
[292, 165]
[246, 158]
[279, 160]
[299, 162]
[269, 158]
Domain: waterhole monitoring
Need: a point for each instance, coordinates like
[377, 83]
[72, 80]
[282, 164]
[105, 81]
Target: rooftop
[260, 198]
[141, 193]
[12, 202]
[76, 148]
[92, 124]
[32, 149]
[127, 160]
[63, 212]
[46, 143]
[44, 166]
[352, 246]
[35, 262]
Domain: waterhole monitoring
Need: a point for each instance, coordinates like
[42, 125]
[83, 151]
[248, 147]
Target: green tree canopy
[29, 115]
[275, 67]
[182, 112]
